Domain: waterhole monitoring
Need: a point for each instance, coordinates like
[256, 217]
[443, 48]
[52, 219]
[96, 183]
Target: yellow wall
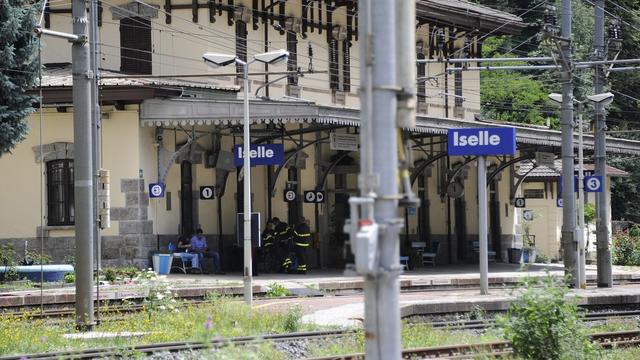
[20, 183]
[178, 48]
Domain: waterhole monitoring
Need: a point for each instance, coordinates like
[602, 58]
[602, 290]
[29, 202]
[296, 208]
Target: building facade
[181, 130]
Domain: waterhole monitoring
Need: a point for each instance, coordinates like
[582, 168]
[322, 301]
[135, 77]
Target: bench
[490, 254]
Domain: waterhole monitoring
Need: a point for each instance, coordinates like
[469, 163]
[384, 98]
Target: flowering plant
[159, 295]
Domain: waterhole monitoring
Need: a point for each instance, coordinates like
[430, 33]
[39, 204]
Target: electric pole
[83, 167]
[96, 140]
[375, 225]
[570, 246]
[605, 276]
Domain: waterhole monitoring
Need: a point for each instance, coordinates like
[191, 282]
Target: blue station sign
[482, 141]
[265, 154]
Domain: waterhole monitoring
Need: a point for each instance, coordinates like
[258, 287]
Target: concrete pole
[582, 275]
[366, 179]
[95, 132]
[570, 251]
[383, 341]
[605, 275]
[246, 163]
[83, 176]
[483, 242]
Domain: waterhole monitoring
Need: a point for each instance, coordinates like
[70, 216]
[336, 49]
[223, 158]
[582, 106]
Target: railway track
[462, 351]
[486, 323]
[495, 349]
[178, 346]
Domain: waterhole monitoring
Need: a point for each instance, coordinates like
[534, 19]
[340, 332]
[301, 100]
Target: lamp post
[216, 60]
[604, 99]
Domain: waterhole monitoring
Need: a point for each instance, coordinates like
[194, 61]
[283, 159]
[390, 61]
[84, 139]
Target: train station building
[180, 131]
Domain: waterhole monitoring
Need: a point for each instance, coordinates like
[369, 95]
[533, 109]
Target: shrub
[35, 258]
[292, 319]
[120, 273]
[69, 278]
[70, 259]
[543, 324]
[542, 259]
[626, 247]
[276, 290]
[7, 255]
[159, 297]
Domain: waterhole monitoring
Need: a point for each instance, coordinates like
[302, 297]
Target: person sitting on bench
[184, 248]
[199, 246]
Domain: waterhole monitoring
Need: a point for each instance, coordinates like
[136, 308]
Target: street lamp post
[216, 60]
[605, 99]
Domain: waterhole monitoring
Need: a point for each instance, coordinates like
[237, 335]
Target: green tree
[511, 95]
[18, 69]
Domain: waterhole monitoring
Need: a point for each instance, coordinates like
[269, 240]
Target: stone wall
[135, 241]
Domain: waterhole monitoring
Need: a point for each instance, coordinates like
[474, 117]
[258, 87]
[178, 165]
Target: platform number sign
[156, 190]
[289, 195]
[593, 184]
[520, 202]
[207, 192]
[559, 202]
[314, 196]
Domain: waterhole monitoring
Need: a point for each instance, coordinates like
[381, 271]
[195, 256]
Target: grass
[413, 336]
[222, 318]
[421, 335]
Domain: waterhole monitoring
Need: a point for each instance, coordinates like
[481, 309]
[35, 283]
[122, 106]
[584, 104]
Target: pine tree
[18, 69]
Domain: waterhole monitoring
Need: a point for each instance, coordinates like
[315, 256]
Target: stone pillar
[135, 240]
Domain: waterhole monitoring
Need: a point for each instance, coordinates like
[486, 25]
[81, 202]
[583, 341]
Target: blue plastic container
[164, 264]
[52, 272]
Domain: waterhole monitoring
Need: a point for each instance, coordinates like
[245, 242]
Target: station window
[60, 192]
[135, 45]
[534, 193]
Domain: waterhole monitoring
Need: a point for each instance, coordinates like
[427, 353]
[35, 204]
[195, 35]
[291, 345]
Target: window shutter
[292, 64]
[135, 45]
[421, 72]
[334, 76]
[241, 43]
[346, 65]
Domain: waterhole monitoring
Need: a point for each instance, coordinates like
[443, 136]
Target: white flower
[162, 307]
[160, 296]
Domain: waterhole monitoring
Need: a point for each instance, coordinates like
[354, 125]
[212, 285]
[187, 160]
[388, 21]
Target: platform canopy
[188, 112]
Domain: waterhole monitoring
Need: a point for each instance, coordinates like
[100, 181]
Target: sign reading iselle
[482, 141]
[266, 154]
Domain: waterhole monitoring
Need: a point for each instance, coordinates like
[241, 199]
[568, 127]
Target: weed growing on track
[276, 290]
[223, 317]
[543, 324]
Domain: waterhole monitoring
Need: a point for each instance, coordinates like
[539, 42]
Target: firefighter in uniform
[268, 246]
[283, 239]
[301, 242]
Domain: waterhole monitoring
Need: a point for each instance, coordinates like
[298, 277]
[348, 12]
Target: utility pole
[83, 167]
[570, 246]
[605, 276]
[375, 225]
[96, 140]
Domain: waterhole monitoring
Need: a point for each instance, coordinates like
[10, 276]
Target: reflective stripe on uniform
[301, 244]
[301, 234]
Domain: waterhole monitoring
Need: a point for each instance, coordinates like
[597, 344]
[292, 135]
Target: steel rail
[179, 346]
[460, 351]
[611, 340]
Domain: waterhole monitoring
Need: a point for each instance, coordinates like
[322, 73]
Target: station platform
[439, 289]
